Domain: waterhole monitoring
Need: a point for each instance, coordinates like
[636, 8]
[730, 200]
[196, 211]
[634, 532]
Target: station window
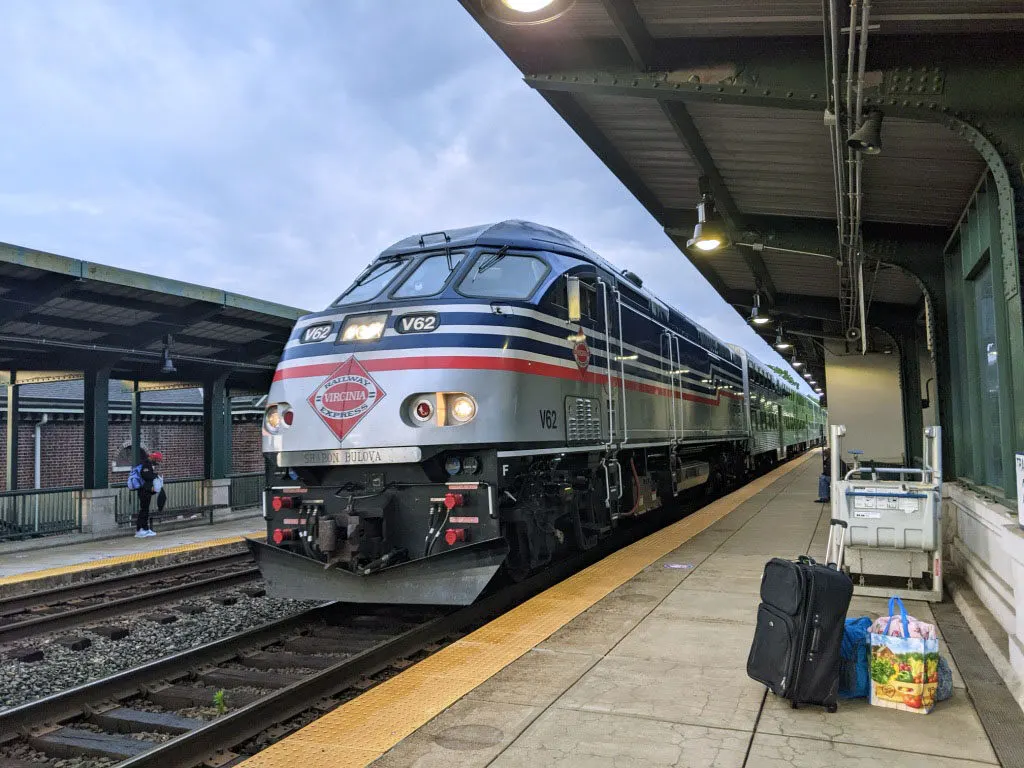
[503, 276]
[429, 277]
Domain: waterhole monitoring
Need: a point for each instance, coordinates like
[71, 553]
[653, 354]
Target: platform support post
[136, 435]
[215, 443]
[96, 407]
[13, 394]
[910, 379]
[229, 442]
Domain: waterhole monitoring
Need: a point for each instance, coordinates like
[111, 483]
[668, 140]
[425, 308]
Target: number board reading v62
[320, 332]
[418, 322]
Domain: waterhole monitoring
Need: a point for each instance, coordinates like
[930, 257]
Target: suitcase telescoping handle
[839, 541]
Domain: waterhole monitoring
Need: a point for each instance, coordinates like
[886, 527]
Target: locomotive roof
[514, 233]
[517, 233]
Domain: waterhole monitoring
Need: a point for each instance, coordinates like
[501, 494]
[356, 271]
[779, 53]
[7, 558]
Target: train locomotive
[492, 399]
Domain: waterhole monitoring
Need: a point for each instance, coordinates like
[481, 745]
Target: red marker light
[453, 500]
[423, 410]
[279, 536]
[289, 417]
[277, 503]
[453, 535]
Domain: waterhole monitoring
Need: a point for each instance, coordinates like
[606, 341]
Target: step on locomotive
[492, 399]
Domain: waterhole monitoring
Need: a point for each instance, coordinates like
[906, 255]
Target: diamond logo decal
[345, 397]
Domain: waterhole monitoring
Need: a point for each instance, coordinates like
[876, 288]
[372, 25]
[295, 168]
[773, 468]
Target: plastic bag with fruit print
[904, 662]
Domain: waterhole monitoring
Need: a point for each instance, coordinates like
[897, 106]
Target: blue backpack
[135, 478]
[855, 653]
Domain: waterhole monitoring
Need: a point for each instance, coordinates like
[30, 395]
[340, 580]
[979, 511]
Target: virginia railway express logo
[345, 397]
[580, 351]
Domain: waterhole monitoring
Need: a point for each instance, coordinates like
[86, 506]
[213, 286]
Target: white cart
[894, 522]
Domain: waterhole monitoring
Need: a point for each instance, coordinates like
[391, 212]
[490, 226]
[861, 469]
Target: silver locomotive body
[489, 402]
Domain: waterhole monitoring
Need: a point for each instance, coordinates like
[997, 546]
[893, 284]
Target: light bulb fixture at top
[709, 234]
[524, 12]
[756, 316]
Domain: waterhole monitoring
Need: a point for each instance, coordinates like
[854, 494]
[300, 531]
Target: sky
[274, 147]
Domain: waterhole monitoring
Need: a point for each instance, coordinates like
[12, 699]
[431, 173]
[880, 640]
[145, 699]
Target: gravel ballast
[63, 668]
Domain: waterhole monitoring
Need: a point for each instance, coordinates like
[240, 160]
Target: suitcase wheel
[794, 705]
[832, 708]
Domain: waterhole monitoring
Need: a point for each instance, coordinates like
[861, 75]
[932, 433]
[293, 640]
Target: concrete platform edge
[978, 619]
[70, 539]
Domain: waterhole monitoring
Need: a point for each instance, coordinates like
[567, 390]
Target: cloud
[273, 147]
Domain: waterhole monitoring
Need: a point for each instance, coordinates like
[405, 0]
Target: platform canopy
[61, 316]
[737, 100]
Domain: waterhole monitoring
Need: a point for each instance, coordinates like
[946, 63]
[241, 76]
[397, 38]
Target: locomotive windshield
[503, 276]
[372, 282]
[430, 276]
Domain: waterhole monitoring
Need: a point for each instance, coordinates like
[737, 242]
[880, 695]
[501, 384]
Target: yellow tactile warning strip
[123, 559]
[363, 729]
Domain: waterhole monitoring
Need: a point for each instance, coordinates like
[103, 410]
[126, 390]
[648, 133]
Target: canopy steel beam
[632, 31]
[28, 295]
[908, 85]
[687, 131]
[576, 116]
[151, 331]
[819, 307]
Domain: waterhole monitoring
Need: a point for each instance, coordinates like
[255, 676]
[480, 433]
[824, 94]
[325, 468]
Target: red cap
[156, 456]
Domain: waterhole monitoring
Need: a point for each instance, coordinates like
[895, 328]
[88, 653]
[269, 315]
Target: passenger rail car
[492, 398]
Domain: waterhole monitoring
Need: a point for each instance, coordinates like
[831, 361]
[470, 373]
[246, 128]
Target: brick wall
[63, 445]
[246, 444]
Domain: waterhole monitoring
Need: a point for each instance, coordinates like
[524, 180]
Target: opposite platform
[639, 661]
[105, 554]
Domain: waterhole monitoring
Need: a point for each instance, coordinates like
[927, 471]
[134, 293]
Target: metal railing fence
[180, 494]
[246, 489]
[40, 512]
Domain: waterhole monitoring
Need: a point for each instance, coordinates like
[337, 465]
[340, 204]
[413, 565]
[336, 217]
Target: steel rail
[30, 627]
[75, 702]
[18, 603]
[234, 728]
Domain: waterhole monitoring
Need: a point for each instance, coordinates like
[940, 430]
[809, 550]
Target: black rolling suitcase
[800, 623]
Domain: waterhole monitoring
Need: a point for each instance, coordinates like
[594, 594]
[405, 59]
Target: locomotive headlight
[273, 419]
[471, 464]
[364, 327]
[452, 465]
[462, 408]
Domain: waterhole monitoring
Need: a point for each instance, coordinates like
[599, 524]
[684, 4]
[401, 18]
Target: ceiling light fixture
[755, 312]
[168, 366]
[868, 138]
[709, 235]
[521, 12]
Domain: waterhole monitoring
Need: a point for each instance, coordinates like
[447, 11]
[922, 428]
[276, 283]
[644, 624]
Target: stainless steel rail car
[489, 398]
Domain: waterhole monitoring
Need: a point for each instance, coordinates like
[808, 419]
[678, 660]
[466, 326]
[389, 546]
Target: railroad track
[70, 606]
[269, 680]
[270, 675]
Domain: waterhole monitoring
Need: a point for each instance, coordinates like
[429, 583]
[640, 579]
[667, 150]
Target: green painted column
[215, 441]
[97, 415]
[229, 443]
[910, 391]
[12, 432]
[136, 435]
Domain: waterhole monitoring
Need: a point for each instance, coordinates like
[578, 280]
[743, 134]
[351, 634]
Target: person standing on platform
[147, 474]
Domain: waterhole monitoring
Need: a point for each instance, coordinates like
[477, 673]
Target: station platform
[640, 661]
[58, 562]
